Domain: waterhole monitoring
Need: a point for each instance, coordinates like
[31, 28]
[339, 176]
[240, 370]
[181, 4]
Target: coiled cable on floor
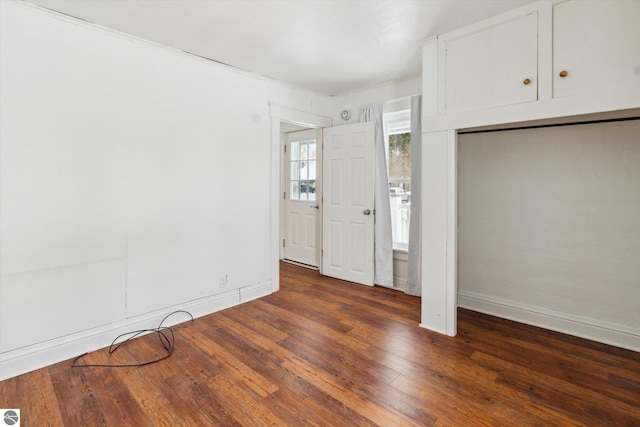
[165, 335]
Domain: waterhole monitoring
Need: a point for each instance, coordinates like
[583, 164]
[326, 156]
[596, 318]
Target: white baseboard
[584, 327]
[26, 359]
[252, 292]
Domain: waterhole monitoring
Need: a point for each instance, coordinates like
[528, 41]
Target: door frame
[280, 114]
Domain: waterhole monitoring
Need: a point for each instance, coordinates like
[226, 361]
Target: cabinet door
[597, 44]
[494, 66]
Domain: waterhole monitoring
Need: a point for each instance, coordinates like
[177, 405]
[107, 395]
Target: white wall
[396, 94]
[132, 178]
[549, 229]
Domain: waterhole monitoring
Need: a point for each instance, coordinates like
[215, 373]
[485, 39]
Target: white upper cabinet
[596, 46]
[492, 66]
[548, 59]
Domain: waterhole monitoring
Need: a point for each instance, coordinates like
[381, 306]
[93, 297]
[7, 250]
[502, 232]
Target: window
[398, 132]
[303, 170]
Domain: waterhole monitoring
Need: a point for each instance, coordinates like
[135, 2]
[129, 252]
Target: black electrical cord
[168, 342]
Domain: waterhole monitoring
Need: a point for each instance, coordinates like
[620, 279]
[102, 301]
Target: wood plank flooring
[323, 352]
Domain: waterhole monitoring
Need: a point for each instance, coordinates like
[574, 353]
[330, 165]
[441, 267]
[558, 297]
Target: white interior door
[303, 194]
[348, 216]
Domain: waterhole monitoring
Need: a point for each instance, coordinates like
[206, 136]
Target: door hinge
[284, 195]
[283, 243]
[285, 148]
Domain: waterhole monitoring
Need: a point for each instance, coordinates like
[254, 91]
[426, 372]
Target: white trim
[275, 208]
[298, 117]
[400, 248]
[545, 51]
[401, 254]
[584, 327]
[452, 233]
[252, 292]
[299, 264]
[283, 114]
[22, 360]
[430, 84]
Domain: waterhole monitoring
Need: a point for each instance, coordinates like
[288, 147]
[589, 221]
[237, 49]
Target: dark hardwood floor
[330, 353]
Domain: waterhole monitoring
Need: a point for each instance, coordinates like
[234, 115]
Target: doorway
[337, 241]
[283, 121]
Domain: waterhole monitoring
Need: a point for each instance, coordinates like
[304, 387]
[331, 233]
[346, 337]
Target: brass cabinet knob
[526, 81]
[563, 73]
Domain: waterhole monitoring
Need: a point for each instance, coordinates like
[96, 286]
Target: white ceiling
[330, 46]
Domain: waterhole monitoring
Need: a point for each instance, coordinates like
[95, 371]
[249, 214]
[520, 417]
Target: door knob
[367, 212]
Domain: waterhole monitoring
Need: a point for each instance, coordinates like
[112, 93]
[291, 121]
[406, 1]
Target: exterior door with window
[303, 214]
[348, 217]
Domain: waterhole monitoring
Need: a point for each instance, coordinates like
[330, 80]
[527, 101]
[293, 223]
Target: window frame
[397, 122]
[295, 178]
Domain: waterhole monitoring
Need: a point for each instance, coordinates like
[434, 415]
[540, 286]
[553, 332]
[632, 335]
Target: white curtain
[383, 240]
[414, 264]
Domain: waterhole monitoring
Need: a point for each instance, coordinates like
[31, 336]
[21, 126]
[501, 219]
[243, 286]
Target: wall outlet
[223, 281]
